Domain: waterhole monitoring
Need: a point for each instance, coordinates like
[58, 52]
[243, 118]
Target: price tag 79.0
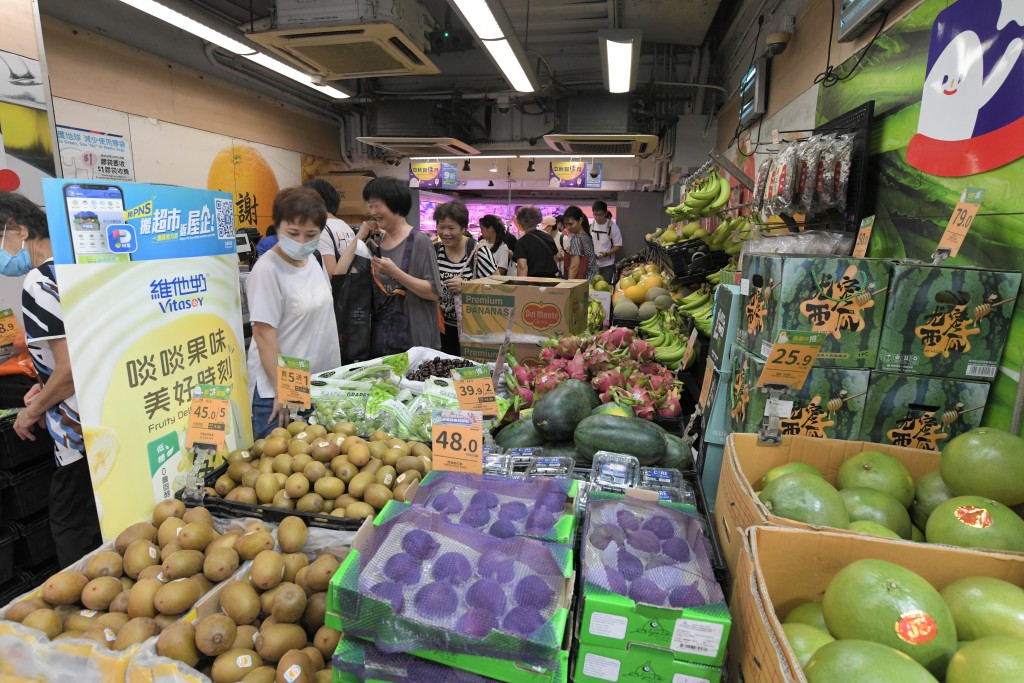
[293, 382]
[475, 390]
[791, 359]
[961, 220]
[208, 416]
[9, 329]
[458, 441]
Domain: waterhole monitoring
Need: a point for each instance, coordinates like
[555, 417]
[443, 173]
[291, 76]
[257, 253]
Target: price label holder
[293, 382]
[959, 224]
[860, 247]
[688, 351]
[9, 330]
[457, 440]
[792, 356]
[705, 387]
[208, 416]
[474, 388]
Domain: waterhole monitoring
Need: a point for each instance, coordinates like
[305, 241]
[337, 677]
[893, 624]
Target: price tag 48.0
[208, 416]
[792, 356]
[9, 330]
[293, 382]
[458, 441]
[475, 390]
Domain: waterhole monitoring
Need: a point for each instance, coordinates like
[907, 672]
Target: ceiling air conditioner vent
[598, 145]
[421, 147]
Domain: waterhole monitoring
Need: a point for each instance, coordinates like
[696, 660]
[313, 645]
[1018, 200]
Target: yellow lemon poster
[149, 288]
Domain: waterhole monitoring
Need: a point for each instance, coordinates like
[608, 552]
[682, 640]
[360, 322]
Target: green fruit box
[726, 321]
[840, 296]
[831, 403]
[696, 633]
[407, 619]
[637, 663]
[947, 321]
[921, 412]
[717, 424]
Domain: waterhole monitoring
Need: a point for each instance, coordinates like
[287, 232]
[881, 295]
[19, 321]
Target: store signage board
[567, 174]
[960, 222]
[792, 356]
[9, 330]
[149, 293]
[595, 177]
[208, 416]
[433, 174]
[458, 439]
[474, 388]
[860, 247]
[293, 382]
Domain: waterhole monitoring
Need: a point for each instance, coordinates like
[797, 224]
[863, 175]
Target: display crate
[34, 544]
[16, 452]
[25, 492]
[7, 538]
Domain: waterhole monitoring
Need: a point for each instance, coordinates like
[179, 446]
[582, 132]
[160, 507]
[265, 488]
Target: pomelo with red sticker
[975, 522]
[916, 628]
[977, 517]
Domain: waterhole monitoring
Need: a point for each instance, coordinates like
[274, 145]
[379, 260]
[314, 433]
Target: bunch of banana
[665, 334]
[705, 198]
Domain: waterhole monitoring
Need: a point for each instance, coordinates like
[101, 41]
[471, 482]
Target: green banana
[722, 199]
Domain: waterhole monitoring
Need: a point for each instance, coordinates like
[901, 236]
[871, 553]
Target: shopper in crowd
[459, 258]
[492, 233]
[407, 285]
[510, 240]
[535, 251]
[25, 250]
[290, 305]
[267, 242]
[607, 240]
[336, 234]
[580, 260]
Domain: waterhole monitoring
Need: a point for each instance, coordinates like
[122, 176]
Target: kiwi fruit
[105, 563]
[183, 564]
[420, 449]
[408, 476]
[205, 585]
[380, 435]
[283, 464]
[215, 634]
[220, 564]
[177, 596]
[234, 665]
[293, 562]
[329, 487]
[267, 570]
[21, 609]
[359, 454]
[266, 488]
[282, 501]
[344, 500]
[225, 540]
[256, 526]
[127, 582]
[265, 466]
[401, 491]
[372, 466]
[297, 485]
[112, 620]
[326, 640]
[410, 462]
[224, 484]
[315, 658]
[377, 495]
[165, 620]
[143, 530]
[274, 446]
[64, 588]
[324, 676]
[168, 550]
[311, 502]
[252, 543]
[196, 536]
[296, 427]
[81, 620]
[245, 637]
[100, 592]
[276, 639]
[264, 674]
[239, 601]
[385, 476]
[316, 610]
[328, 505]
[103, 636]
[242, 494]
[359, 510]
[289, 603]
[250, 476]
[140, 598]
[300, 461]
[178, 641]
[349, 442]
[198, 515]
[120, 602]
[392, 456]
[324, 451]
[320, 572]
[155, 571]
[295, 667]
[291, 534]
[45, 620]
[136, 631]
[236, 470]
[346, 471]
[358, 485]
[314, 471]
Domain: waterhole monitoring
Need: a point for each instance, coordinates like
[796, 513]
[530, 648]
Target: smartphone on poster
[96, 218]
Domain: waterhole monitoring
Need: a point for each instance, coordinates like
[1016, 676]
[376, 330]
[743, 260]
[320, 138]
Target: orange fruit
[242, 171]
[652, 281]
[637, 294]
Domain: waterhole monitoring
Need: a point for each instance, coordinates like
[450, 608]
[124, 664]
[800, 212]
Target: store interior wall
[638, 213]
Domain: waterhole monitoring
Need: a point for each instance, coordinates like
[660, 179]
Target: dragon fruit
[522, 375]
[659, 384]
[638, 399]
[567, 347]
[615, 338]
[548, 380]
[640, 350]
[670, 406]
[548, 354]
[597, 359]
[526, 396]
[577, 370]
[608, 379]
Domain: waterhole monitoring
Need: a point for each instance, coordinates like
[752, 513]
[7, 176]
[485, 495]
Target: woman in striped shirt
[459, 258]
[580, 260]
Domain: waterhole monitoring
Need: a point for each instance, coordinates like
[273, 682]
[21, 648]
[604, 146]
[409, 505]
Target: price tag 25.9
[9, 330]
[961, 220]
[293, 382]
[208, 416]
[791, 359]
[475, 390]
[458, 441]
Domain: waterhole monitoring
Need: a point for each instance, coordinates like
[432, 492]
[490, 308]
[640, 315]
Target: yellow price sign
[9, 330]
[208, 416]
[475, 390]
[791, 359]
[860, 247]
[293, 382]
[458, 441]
[961, 221]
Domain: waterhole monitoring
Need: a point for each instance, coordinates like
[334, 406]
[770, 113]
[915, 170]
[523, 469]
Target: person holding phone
[25, 251]
[290, 305]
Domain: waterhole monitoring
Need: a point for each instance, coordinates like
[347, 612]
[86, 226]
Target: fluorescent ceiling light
[185, 23]
[478, 15]
[508, 61]
[494, 167]
[463, 156]
[620, 58]
[294, 74]
[578, 157]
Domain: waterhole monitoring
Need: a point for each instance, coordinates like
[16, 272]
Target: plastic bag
[843, 163]
[810, 155]
[786, 178]
[761, 185]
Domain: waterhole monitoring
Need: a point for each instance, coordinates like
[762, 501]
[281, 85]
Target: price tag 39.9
[293, 382]
[961, 220]
[458, 438]
[792, 356]
[9, 330]
[208, 416]
[475, 390]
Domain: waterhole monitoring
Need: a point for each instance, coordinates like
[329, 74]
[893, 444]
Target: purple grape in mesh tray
[447, 503]
[646, 591]
[522, 621]
[488, 595]
[540, 521]
[405, 668]
[475, 516]
[485, 499]
[403, 568]
[420, 544]
[503, 528]
[392, 592]
[453, 568]
[513, 511]
[477, 623]
[437, 600]
[496, 564]
[602, 535]
[533, 591]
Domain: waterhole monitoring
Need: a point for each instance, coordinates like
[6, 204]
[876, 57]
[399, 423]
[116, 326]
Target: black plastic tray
[35, 545]
[25, 492]
[15, 452]
[12, 588]
[7, 538]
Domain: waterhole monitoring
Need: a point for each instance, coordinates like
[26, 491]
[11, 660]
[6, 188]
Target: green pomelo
[808, 613]
[929, 490]
[865, 526]
[880, 601]
[806, 498]
[998, 659]
[776, 472]
[983, 606]
[976, 522]
[872, 505]
[877, 470]
[805, 641]
[862, 661]
[985, 462]
[916, 535]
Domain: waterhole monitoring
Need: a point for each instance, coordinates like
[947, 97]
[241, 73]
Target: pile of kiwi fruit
[269, 626]
[308, 469]
[155, 574]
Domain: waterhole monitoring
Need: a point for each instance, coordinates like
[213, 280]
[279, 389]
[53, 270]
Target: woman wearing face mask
[580, 260]
[51, 404]
[290, 305]
[458, 260]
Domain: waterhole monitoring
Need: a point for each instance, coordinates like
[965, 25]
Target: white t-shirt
[297, 302]
[503, 259]
[335, 236]
[605, 236]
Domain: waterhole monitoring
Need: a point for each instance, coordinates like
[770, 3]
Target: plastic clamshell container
[615, 471]
[660, 476]
[550, 467]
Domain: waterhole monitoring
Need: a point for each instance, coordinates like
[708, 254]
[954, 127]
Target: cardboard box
[830, 404]
[921, 412]
[727, 319]
[637, 663]
[541, 308]
[791, 566]
[844, 297]
[526, 353]
[746, 461]
[947, 321]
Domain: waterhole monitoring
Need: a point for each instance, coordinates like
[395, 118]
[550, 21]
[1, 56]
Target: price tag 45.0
[475, 390]
[293, 382]
[791, 359]
[458, 441]
[208, 416]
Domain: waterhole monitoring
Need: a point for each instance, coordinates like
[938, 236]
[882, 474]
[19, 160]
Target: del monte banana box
[830, 404]
[947, 321]
[921, 412]
[843, 297]
[540, 308]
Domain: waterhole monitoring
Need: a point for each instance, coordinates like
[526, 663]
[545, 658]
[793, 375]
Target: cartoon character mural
[972, 106]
